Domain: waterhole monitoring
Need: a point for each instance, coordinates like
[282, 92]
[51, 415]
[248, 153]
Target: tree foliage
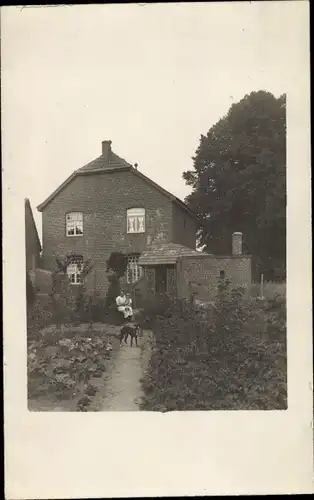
[84, 266]
[239, 182]
[117, 263]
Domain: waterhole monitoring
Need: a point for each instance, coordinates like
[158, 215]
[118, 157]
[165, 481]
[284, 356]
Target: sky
[151, 78]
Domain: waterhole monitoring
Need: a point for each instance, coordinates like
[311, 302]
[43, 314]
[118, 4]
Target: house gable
[104, 201]
[32, 241]
[30, 225]
[108, 163]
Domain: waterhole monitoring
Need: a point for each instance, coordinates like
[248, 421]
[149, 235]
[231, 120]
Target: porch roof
[167, 253]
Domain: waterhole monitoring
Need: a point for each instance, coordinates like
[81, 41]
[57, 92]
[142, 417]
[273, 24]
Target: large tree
[239, 182]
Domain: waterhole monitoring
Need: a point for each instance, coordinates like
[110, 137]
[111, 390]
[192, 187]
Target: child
[124, 304]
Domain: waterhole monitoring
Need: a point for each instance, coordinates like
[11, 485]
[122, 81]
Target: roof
[167, 253]
[28, 209]
[109, 163]
[103, 163]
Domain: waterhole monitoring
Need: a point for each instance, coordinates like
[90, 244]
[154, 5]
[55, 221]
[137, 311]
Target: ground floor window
[134, 270]
[74, 269]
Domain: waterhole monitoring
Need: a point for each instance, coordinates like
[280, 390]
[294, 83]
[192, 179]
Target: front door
[165, 279]
[161, 279]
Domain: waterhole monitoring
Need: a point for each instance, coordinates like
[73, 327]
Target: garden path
[123, 387]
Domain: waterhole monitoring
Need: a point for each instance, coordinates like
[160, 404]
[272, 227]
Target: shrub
[231, 356]
[117, 263]
[154, 306]
[113, 290]
[30, 292]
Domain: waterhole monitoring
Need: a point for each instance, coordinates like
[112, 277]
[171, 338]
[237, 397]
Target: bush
[153, 307]
[30, 292]
[113, 290]
[231, 356]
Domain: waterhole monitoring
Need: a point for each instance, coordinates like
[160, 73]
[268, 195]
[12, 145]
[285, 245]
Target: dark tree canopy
[239, 182]
[117, 263]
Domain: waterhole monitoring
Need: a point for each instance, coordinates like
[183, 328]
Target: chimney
[135, 166]
[237, 244]
[106, 149]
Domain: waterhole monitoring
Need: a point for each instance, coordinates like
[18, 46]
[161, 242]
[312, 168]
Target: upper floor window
[74, 224]
[74, 269]
[136, 220]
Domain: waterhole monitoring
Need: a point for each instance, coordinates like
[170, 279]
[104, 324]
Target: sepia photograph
[159, 290]
[157, 274]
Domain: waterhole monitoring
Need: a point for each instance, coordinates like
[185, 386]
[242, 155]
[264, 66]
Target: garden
[230, 355]
[68, 356]
[71, 340]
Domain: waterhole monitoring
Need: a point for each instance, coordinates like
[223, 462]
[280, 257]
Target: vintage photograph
[155, 215]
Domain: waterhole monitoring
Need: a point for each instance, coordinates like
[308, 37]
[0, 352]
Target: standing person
[124, 305]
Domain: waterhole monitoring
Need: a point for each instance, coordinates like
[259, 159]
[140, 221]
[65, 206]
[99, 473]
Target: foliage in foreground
[229, 356]
[63, 365]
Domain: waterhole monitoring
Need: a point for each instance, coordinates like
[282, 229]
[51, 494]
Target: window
[136, 220]
[74, 269]
[74, 224]
[134, 270]
[222, 275]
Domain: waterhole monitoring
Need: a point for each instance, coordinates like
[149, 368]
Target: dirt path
[123, 389]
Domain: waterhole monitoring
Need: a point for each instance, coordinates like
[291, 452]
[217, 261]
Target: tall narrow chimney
[106, 149]
[237, 244]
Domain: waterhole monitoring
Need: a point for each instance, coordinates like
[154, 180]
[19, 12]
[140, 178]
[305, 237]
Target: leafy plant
[85, 267]
[30, 292]
[113, 290]
[116, 266]
[117, 263]
[64, 366]
[230, 356]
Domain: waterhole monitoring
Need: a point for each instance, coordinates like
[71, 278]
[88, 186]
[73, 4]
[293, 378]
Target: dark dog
[129, 330]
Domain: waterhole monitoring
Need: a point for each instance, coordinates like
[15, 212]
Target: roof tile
[167, 253]
[101, 162]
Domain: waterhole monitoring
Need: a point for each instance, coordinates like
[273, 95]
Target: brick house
[109, 206]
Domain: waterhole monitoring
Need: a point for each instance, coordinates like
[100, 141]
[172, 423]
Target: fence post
[262, 287]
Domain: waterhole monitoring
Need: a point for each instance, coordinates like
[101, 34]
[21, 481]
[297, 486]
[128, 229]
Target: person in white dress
[124, 304]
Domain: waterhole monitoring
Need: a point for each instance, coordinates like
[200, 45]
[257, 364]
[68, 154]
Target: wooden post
[94, 284]
[262, 286]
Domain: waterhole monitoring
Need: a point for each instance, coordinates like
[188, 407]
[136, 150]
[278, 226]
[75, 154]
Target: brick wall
[184, 227]
[41, 280]
[201, 274]
[104, 199]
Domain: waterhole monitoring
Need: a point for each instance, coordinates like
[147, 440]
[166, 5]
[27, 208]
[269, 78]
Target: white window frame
[74, 269]
[136, 220]
[134, 271]
[74, 221]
